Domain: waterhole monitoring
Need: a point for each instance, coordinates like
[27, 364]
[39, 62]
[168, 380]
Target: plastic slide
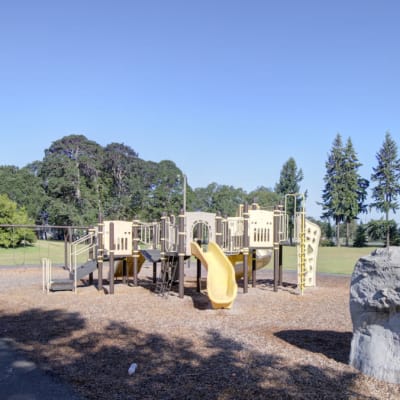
[263, 257]
[129, 266]
[221, 282]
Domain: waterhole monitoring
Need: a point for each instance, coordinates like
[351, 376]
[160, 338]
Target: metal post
[253, 267]
[280, 264]
[245, 247]
[135, 239]
[67, 250]
[100, 252]
[218, 230]
[155, 236]
[276, 247]
[281, 211]
[198, 275]
[181, 252]
[163, 244]
[184, 193]
[91, 253]
[111, 260]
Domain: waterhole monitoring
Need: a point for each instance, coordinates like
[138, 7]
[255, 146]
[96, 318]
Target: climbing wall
[311, 237]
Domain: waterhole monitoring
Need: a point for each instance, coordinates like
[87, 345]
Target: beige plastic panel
[312, 237]
[261, 228]
[122, 238]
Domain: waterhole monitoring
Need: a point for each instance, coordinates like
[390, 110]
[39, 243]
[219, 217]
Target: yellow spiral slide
[221, 282]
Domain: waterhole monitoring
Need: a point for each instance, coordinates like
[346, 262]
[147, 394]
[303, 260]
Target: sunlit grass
[334, 260]
[330, 259]
[32, 254]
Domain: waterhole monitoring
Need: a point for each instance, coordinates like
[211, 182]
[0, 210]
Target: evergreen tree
[331, 196]
[387, 177]
[354, 188]
[360, 239]
[345, 190]
[289, 183]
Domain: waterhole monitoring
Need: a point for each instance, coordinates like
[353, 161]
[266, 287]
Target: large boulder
[375, 312]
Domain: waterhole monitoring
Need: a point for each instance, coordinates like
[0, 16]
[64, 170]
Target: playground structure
[231, 249]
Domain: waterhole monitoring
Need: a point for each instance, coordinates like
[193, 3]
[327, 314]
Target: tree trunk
[387, 230]
[347, 233]
[337, 232]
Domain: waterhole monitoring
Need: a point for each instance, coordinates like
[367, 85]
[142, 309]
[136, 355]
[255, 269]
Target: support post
[253, 268]
[245, 248]
[155, 237]
[218, 230]
[280, 265]
[198, 275]
[111, 259]
[100, 253]
[276, 247]
[163, 239]
[181, 251]
[135, 240]
[91, 253]
[253, 259]
[67, 250]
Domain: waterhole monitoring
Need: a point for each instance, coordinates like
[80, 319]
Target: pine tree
[386, 175]
[355, 187]
[360, 239]
[332, 195]
[289, 183]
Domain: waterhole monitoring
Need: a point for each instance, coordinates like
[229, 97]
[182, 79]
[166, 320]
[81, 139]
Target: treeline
[77, 179]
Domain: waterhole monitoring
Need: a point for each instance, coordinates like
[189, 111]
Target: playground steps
[61, 284]
[84, 270]
[167, 276]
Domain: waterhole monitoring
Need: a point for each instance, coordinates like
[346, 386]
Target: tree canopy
[386, 175]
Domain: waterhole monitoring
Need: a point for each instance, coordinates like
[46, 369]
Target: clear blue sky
[227, 89]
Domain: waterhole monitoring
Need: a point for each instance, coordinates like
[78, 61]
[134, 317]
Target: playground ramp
[263, 257]
[221, 282]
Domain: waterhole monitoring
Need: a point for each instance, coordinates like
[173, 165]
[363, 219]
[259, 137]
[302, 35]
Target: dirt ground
[268, 346]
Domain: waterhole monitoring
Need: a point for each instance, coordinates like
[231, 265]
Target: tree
[377, 230]
[121, 169]
[360, 239]
[386, 175]
[332, 194]
[264, 197]
[354, 187]
[165, 193]
[71, 172]
[217, 198]
[289, 183]
[14, 182]
[11, 214]
[345, 191]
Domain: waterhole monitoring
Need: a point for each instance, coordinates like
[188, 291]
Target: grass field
[330, 259]
[32, 254]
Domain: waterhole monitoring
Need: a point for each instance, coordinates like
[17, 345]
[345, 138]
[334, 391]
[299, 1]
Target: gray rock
[375, 313]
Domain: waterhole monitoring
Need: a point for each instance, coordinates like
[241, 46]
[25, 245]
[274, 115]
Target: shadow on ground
[96, 361]
[335, 345]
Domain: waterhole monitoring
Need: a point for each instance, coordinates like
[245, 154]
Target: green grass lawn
[334, 260]
[32, 254]
[330, 259]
